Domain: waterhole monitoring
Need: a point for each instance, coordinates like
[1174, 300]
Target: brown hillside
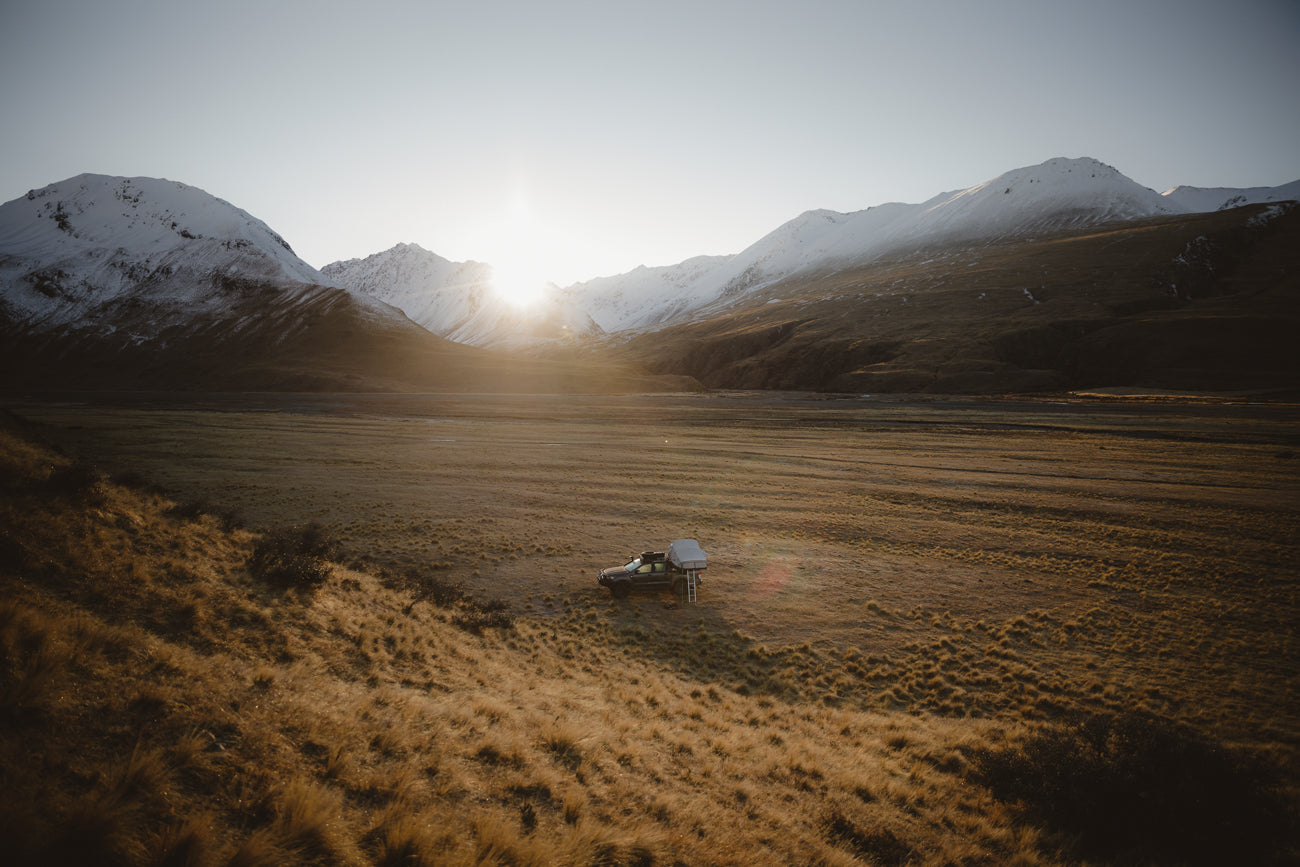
[1046, 667]
[1208, 301]
[269, 338]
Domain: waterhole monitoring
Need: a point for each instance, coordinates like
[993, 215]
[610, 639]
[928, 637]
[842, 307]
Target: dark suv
[650, 571]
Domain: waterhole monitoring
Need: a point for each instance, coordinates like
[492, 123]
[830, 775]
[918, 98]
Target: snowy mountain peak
[93, 212]
[456, 300]
[1055, 194]
[137, 257]
[77, 244]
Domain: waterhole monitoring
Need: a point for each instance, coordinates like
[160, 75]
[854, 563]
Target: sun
[519, 282]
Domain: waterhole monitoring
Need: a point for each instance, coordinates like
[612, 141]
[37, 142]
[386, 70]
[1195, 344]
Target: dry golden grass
[891, 610]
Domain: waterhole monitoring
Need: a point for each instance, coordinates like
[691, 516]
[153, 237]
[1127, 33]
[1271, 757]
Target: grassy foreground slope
[167, 696]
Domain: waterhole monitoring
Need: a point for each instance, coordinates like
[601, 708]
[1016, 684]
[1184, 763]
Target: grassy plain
[896, 587]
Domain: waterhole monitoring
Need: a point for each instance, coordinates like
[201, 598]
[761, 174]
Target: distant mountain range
[137, 282]
[110, 282]
[1058, 195]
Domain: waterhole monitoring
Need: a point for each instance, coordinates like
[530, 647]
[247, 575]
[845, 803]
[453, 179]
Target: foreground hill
[142, 283]
[1198, 301]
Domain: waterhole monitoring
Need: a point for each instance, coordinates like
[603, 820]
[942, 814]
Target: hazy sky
[580, 139]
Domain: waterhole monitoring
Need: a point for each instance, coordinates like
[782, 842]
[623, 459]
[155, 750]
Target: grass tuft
[32, 658]
[877, 843]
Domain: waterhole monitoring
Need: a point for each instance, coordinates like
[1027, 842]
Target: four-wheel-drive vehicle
[678, 570]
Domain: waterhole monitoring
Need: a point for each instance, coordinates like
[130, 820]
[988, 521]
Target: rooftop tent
[687, 554]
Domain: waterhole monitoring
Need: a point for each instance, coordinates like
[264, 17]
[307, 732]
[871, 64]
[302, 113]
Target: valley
[927, 625]
[1121, 533]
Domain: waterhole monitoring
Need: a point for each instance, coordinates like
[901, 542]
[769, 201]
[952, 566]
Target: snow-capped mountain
[440, 294]
[1057, 195]
[1203, 200]
[96, 250]
[644, 297]
[456, 300]
[109, 282]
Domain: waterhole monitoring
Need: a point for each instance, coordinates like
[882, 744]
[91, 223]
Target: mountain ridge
[1058, 194]
[136, 281]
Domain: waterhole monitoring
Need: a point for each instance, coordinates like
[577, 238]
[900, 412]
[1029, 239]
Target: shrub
[424, 587]
[191, 510]
[1136, 787]
[229, 519]
[474, 616]
[76, 481]
[13, 555]
[468, 613]
[297, 557]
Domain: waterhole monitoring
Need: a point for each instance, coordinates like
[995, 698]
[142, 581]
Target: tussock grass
[166, 705]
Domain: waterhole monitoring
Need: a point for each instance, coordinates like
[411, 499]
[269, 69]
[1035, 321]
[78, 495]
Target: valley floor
[896, 586]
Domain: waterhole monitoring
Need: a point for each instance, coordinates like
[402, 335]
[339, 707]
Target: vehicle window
[631, 567]
[646, 567]
[658, 567]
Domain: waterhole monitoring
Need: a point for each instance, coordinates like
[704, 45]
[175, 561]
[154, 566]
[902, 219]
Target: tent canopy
[687, 554]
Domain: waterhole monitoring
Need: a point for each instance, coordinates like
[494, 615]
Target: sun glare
[518, 283]
[529, 251]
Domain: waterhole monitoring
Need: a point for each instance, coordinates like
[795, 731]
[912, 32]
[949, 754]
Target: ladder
[690, 585]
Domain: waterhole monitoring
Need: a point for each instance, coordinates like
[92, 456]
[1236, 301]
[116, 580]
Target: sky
[564, 140]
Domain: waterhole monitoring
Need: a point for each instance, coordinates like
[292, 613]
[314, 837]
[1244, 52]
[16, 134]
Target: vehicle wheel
[679, 588]
[620, 590]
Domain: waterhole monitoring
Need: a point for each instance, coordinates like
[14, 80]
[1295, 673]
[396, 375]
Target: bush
[297, 557]
[424, 587]
[474, 616]
[468, 612]
[229, 519]
[1136, 787]
[76, 481]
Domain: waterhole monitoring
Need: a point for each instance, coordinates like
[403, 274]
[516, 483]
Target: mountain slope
[1058, 195]
[1205, 199]
[645, 297]
[456, 300]
[1202, 301]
